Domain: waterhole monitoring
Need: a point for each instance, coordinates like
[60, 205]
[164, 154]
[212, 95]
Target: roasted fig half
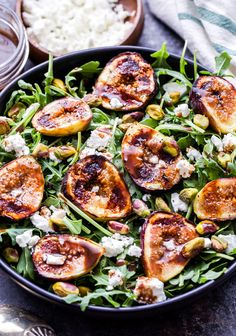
[65, 257]
[217, 200]
[21, 188]
[163, 236]
[126, 83]
[63, 117]
[150, 158]
[95, 185]
[215, 97]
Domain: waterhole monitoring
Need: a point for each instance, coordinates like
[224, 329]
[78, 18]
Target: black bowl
[62, 65]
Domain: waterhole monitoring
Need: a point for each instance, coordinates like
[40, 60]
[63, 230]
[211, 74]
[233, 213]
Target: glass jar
[14, 47]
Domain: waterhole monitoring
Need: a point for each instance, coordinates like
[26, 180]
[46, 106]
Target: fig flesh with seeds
[65, 257]
[163, 236]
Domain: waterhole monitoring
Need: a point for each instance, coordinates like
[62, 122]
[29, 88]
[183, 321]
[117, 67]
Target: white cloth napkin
[209, 26]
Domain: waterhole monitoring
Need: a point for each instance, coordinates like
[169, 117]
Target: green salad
[118, 184]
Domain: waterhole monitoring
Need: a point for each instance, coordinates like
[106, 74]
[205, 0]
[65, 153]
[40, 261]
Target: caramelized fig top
[215, 97]
[21, 188]
[151, 158]
[126, 83]
[63, 117]
[95, 185]
[217, 200]
[163, 237]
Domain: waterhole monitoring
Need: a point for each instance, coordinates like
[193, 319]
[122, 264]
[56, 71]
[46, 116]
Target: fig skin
[21, 188]
[140, 146]
[63, 117]
[128, 79]
[95, 185]
[159, 228]
[217, 200]
[81, 256]
[215, 97]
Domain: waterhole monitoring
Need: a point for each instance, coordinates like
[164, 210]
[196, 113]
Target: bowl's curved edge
[95, 310]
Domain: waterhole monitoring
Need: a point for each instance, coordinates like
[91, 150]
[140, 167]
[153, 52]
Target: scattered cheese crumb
[97, 142]
[178, 204]
[57, 215]
[41, 222]
[182, 110]
[52, 156]
[185, 168]
[193, 154]
[95, 189]
[15, 143]
[115, 279]
[115, 244]
[230, 239]
[217, 142]
[229, 142]
[54, 259]
[134, 251]
[149, 290]
[85, 23]
[26, 239]
[207, 243]
[175, 87]
[115, 103]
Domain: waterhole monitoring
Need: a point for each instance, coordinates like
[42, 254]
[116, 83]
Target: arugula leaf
[161, 56]
[25, 264]
[98, 294]
[222, 63]
[174, 74]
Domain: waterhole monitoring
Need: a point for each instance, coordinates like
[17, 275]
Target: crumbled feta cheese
[154, 159]
[23, 239]
[178, 204]
[52, 156]
[85, 24]
[193, 154]
[134, 251]
[149, 290]
[175, 87]
[57, 215]
[41, 222]
[95, 189]
[146, 197]
[115, 103]
[169, 245]
[115, 279]
[15, 143]
[26, 239]
[229, 142]
[54, 259]
[230, 239]
[217, 143]
[185, 168]
[97, 142]
[207, 243]
[115, 244]
[182, 110]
